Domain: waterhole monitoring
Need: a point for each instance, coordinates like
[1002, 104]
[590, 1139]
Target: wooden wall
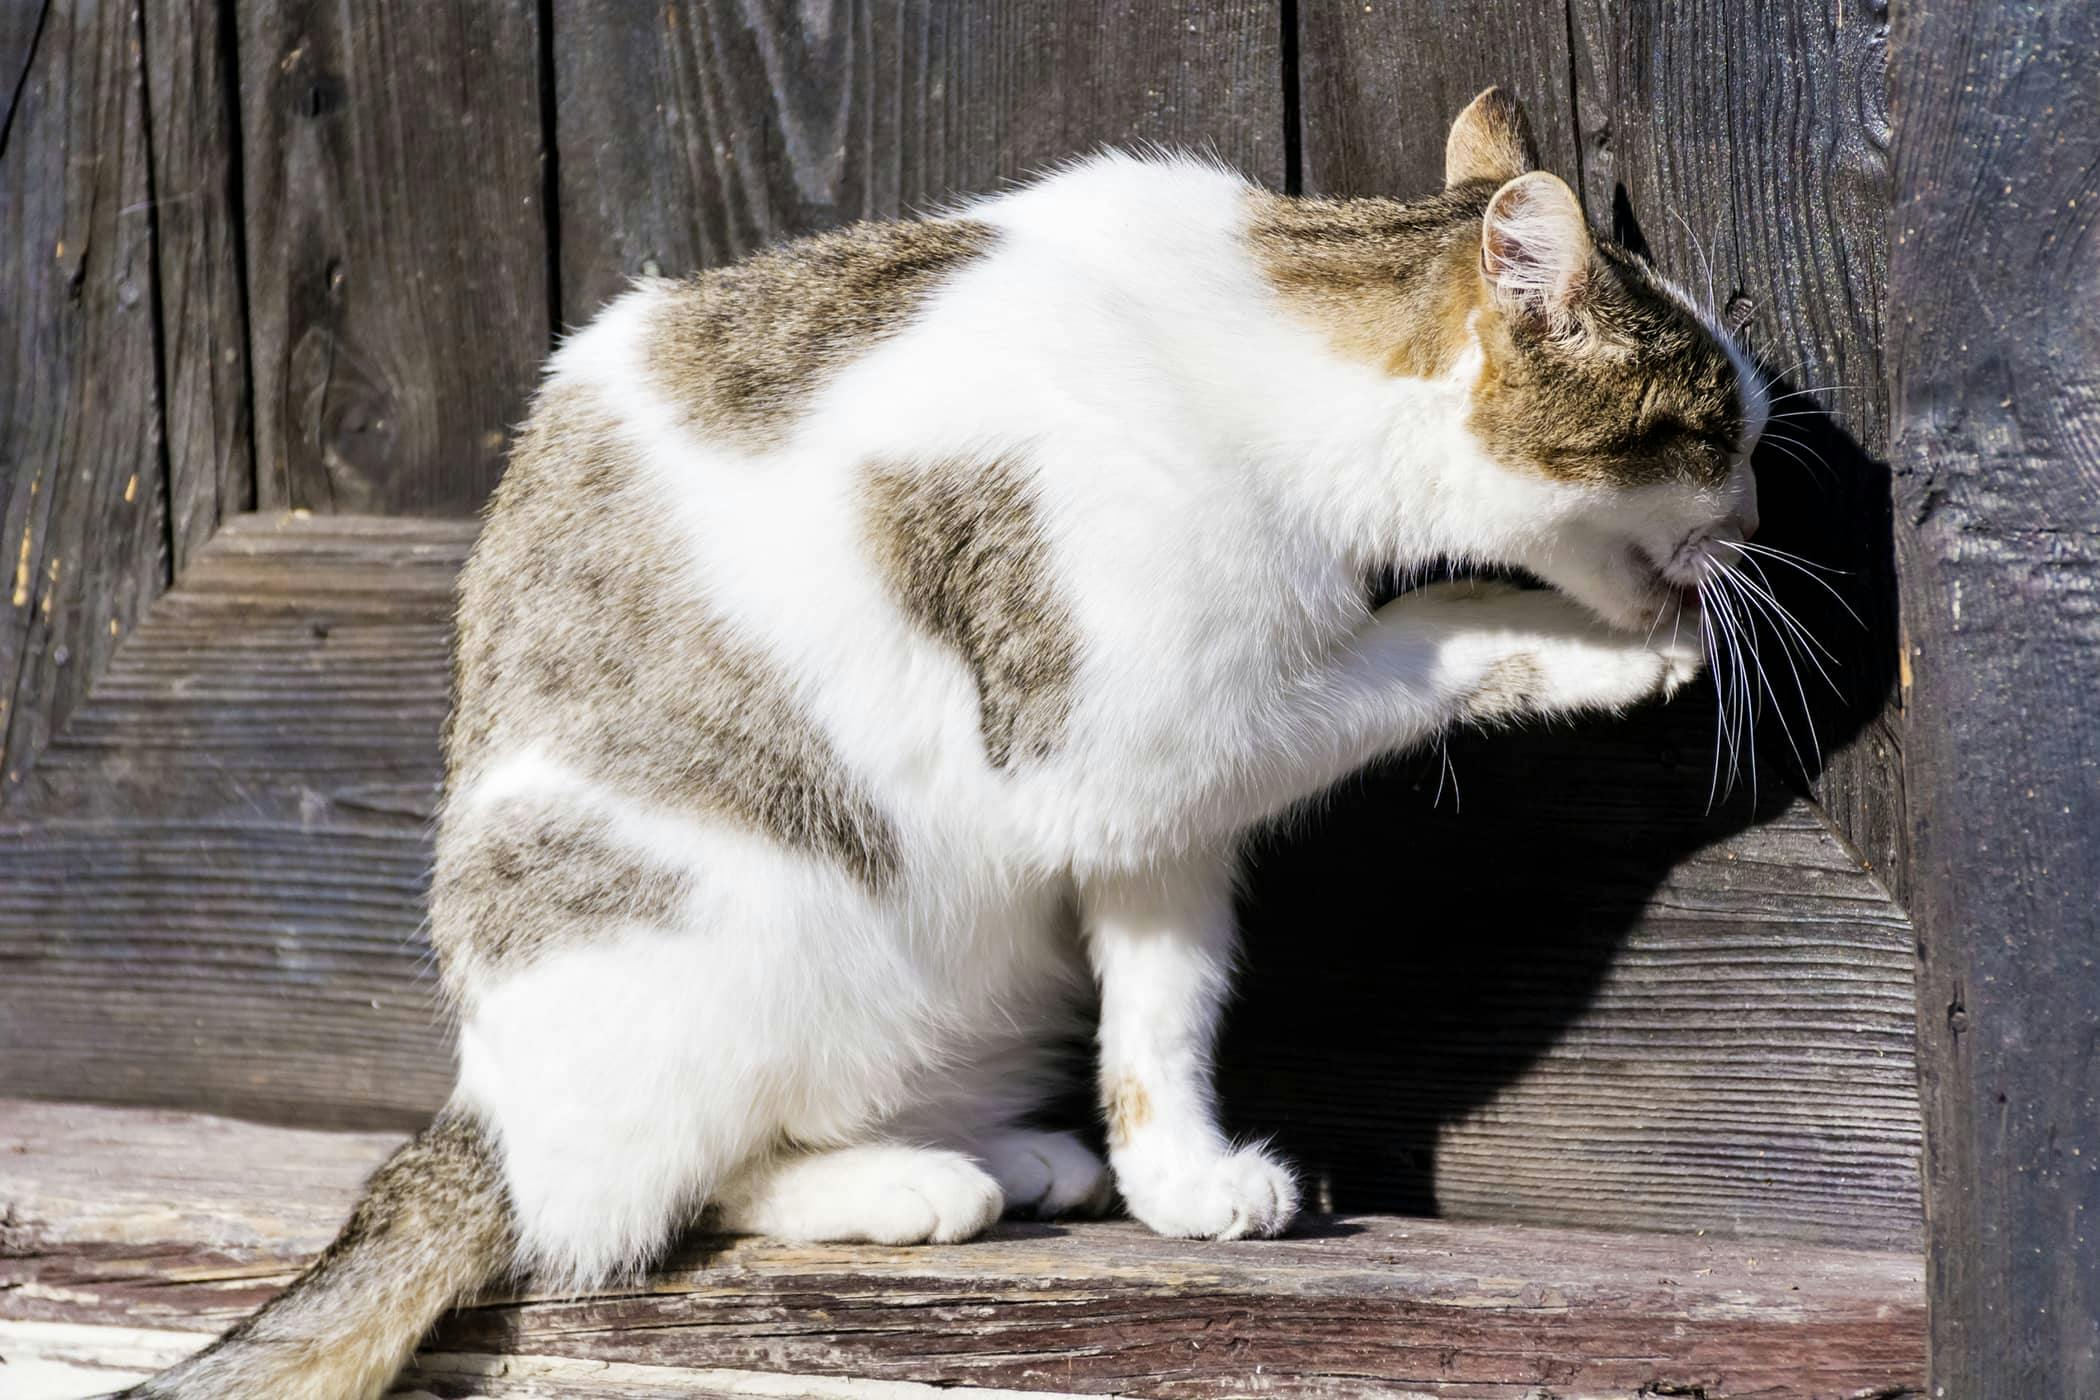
[313, 264]
[1995, 352]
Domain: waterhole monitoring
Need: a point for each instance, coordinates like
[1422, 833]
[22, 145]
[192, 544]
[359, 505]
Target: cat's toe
[949, 1198]
[1229, 1196]
[1048, 1174]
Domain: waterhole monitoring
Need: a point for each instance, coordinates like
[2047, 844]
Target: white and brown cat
[876, 644]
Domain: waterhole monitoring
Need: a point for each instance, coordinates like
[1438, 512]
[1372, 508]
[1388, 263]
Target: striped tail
[432, 1229]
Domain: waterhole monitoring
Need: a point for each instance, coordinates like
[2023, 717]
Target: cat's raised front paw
[1210, 1196]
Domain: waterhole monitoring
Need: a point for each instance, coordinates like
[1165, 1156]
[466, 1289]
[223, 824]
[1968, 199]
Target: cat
[877, 647]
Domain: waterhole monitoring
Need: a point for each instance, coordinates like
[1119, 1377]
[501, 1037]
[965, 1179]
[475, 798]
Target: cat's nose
[1746, 501]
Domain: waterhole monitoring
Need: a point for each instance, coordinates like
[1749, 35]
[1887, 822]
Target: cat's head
[1602, 379]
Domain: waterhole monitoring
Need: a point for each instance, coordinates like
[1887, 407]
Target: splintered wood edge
[67, 1361]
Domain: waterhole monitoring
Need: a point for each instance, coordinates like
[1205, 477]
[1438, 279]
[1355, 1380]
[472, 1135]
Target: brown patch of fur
[739, 349]
[433, 1228]
[576, 633]
[1511, 687]
[528, 872]
[1634, 391]
[1129, 1110]
[1489, 140]
[1390, 283]
[964, 554]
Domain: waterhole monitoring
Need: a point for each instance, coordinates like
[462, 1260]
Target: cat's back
[685, 541]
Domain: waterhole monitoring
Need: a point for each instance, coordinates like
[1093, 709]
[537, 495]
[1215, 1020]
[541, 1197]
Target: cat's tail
[433, 1227]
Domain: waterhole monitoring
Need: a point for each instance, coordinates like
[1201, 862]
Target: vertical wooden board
[194, 132]
[1746, 147]
[82, 537]
[20, 26]
[1995, 351]
[397, 246]
[693, 131]
[1381, 83]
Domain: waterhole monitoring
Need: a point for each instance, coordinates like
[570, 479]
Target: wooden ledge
[129, 1235]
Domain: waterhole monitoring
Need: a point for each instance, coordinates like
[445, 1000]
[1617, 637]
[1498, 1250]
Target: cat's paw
[1047, 1174]
[879, 1193]
[1682, 653]
[1210, 1195]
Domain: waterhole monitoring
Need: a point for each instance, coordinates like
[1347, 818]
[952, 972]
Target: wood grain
[1355, 1306]
[1564, 990]
[397, 247]
[81, 505]
[1746, 147]
[249, 792]
[694, 131]
[1994, 348]
[193, 129]
[1382, 83]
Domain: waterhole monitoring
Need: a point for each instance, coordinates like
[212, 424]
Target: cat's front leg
[1504, 653]
[1161, 945]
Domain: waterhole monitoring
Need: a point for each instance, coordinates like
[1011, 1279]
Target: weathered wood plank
[1746, 146]
[250, 792]
[81, 502]
[1381, 84]
[194, 131]
[68, 1361]
[1568, 992]
[695, 131]
[1355, 1306]
[1994, 350]
[1660, 1017]
[397, 247]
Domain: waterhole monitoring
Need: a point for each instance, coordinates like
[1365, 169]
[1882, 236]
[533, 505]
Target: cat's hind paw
[1047, 1174]
[878, 1193]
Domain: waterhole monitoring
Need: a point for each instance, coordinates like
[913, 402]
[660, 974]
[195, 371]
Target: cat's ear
[1489, 141]
[1534, 246]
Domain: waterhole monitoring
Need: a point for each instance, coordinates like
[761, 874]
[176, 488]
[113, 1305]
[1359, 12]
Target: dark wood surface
[126, 1221]
[397, 246]
[1664, 1019]
[1994, 350]
[691, 134]
[193, 125]
[1380, 85]
[82, 533]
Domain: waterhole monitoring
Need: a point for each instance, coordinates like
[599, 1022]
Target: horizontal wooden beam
[157, 1222]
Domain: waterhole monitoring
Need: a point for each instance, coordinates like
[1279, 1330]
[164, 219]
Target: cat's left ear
[1490, 140]
[1535, 247]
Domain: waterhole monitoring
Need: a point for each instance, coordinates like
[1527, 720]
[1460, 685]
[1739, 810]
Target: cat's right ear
[1491, 140]
[1535, 247]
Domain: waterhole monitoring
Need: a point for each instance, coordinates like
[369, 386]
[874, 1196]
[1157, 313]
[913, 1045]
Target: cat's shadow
[1418, 945]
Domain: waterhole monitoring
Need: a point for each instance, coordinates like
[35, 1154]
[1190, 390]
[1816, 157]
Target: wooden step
[128, 1236]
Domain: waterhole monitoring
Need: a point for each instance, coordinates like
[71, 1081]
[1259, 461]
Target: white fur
[1215, 482]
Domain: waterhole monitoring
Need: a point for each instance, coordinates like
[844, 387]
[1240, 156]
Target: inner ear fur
[1490, 140]
[1534, 245]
